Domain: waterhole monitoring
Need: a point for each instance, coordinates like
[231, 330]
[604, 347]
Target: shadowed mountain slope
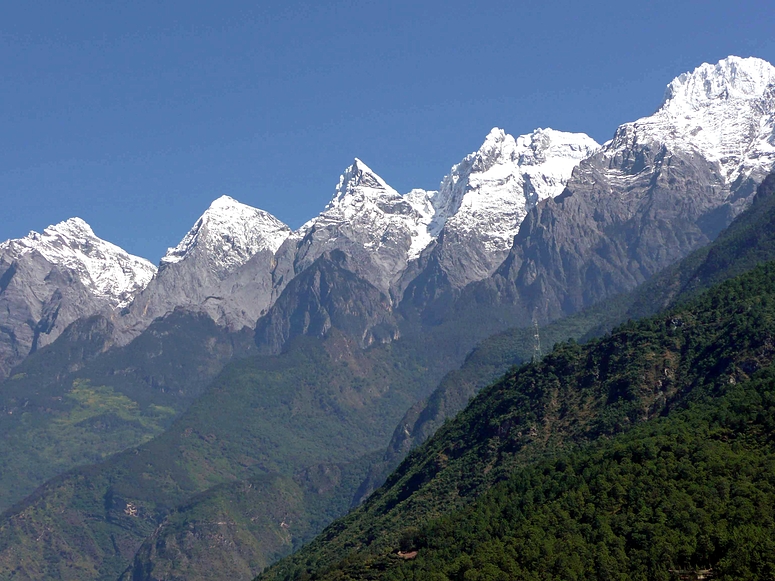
[77, 402]
[748, 241]
[574, 395]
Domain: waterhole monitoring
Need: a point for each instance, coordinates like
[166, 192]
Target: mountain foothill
[556, 365]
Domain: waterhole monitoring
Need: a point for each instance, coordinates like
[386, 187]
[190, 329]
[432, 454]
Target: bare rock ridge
[663, 186]
[328, 294]
[49, 280]
[549, 220]
[221, 267]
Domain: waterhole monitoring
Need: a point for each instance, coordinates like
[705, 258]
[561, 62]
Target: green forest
[646, 454]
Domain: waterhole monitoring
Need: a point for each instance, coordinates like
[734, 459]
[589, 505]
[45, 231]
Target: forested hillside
[680, 497]
[575, 397]
[321, 403]
[748, 241]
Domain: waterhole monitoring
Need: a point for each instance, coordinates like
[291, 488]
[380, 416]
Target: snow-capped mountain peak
[368, 218]
[364, 198]
[729, 79]
[497, 145]
[364, 175]
[544, 146]
[725, 112]
[492, 189]
[75, 227]
[228, 234]
[360, 179]
[108, 271]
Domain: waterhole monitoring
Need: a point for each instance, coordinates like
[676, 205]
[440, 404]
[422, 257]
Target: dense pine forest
[644, 454]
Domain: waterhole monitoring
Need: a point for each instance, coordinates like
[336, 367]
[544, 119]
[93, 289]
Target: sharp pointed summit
[360, 180]
[380, 229]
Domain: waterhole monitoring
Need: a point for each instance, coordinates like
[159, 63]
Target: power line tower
[536, 339]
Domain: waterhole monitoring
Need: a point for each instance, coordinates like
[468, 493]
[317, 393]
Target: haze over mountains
[347, 321]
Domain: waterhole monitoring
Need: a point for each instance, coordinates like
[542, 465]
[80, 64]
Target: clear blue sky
[135, 115]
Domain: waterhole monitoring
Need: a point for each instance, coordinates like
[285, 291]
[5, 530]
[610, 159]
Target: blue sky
[135, 115]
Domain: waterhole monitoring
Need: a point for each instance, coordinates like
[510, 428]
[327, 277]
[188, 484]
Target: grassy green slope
[575, 394]
[71, 403]
[320, 402]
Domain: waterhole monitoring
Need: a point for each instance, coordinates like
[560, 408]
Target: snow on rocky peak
[368, 211]
[106, 270]
[229, 234]
[725, 112]
[490, 192]
[357, 184]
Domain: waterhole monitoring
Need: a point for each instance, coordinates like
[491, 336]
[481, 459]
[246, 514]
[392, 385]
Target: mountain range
[349, 321]
[694, 164]
[236, 260]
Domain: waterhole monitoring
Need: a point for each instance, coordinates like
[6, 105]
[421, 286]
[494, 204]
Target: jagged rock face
[723, 112]
[379, 230]
[599, 238]
[468, 225]
[486, 196]
[328, 294]
[481, 204]
[49, 280]
[221, 267]
[662, 187]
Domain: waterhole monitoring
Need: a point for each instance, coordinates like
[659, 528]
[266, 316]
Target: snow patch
[105, 269]
[490, 192]
[230, 233]
[725, 112]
